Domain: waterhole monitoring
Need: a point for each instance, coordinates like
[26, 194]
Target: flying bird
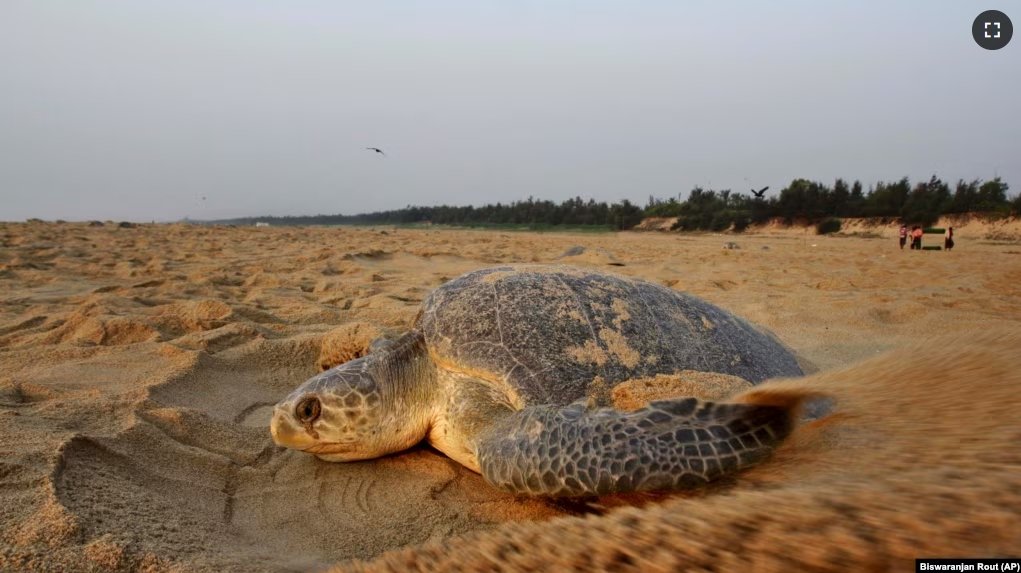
[377, 150]
[758, 194]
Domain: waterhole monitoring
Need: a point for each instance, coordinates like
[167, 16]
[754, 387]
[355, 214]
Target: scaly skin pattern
[672, 444]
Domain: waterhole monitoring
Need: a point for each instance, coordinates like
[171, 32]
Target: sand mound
[578, 255]
[347, 342]
[656, 224]
[920, 458]
[973, 227]
[219, 339]
[370, 255]
[81, 328]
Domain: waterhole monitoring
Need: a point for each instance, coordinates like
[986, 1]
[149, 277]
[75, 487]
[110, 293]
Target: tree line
[536, 213]
[809, 202]
[802, 201]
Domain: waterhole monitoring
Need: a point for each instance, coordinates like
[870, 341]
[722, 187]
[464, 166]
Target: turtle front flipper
[671, 444]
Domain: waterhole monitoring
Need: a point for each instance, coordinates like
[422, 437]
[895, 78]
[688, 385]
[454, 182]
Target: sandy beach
[138, 368]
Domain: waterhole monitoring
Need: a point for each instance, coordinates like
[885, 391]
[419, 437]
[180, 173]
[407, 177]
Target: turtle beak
[286, 431]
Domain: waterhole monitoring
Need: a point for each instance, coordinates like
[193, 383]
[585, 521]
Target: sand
[138, 367]
[966, 226]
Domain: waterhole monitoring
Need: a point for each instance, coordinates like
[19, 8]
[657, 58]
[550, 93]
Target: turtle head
[362, 409]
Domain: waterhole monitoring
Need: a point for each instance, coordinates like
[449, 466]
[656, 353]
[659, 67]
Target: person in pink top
[916, 238]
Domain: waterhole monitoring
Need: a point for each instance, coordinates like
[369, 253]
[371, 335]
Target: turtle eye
[308, 410]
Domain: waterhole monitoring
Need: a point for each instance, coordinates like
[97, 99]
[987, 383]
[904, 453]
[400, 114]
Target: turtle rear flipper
[672, 444]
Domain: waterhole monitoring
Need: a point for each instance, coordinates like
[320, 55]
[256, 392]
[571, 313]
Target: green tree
[927, 201]
[965, 197]
[840, 199]
[887, 199]
[992, 196]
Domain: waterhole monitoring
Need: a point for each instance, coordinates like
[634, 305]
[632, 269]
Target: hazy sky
[137, 109]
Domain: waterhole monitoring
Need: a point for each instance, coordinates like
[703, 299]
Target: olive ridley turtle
[509, 371]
